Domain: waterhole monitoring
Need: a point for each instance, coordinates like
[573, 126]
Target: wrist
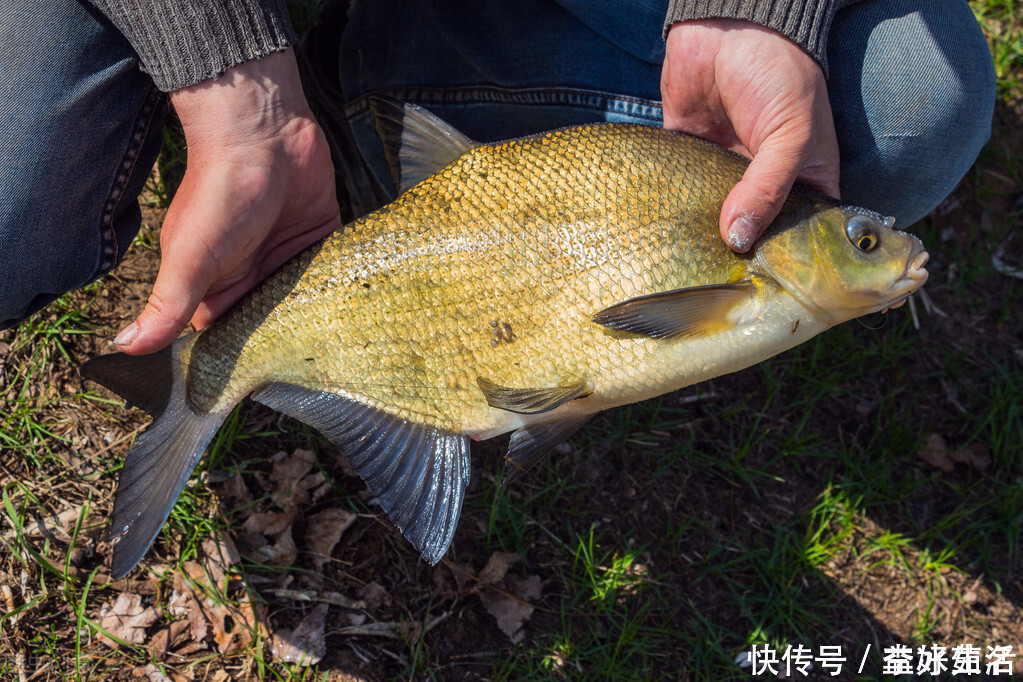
[249, 102]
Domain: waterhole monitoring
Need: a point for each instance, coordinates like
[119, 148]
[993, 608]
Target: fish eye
[862, 232]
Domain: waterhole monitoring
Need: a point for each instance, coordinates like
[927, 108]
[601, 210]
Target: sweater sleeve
[183, 42]
[805, 22]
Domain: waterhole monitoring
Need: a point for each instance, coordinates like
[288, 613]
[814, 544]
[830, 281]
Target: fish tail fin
[157, 467]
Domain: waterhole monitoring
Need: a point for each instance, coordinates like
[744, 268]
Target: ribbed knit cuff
[183, 42]
[806, 22]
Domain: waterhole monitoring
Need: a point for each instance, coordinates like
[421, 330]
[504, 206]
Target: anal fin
[418, 473]
[530, 443]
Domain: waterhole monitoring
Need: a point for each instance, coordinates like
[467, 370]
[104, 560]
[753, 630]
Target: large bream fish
[514, 287]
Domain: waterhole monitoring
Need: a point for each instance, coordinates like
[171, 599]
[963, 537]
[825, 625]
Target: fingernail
[127, 335]
[742, 233]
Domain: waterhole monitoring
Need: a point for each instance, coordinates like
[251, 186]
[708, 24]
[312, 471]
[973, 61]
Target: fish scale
[404, 286]
[513, 287]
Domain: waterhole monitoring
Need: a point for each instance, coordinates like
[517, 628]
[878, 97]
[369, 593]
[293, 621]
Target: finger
[217, 302]
[176, 293]
[758, 198]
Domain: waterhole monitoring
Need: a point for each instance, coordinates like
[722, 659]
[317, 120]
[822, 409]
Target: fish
[516, 287]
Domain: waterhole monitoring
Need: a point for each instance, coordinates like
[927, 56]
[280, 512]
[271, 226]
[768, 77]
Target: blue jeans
[911, 85]
[80, 128]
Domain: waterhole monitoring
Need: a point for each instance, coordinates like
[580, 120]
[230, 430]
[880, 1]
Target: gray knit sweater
[183, 42]
[806, 22]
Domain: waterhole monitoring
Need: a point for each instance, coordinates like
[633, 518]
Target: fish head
[843, 262]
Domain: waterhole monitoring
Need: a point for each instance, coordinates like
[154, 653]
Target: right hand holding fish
[259, 188]
[756, 92]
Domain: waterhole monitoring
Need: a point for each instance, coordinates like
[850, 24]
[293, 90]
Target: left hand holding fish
[754, 91]
[259, 188]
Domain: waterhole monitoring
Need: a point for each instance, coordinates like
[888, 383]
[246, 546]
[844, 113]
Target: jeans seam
[482, 94]
[140, 130]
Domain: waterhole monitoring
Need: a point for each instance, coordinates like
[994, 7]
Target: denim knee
[79, 132]
[912, 88]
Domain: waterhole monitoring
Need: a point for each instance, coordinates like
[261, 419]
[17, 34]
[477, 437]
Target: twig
[389, 630]
[325, 598]
[115, 443]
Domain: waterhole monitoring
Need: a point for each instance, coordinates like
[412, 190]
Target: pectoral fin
[530, 400]
[529, 444]
[418, 473]
[695, 311]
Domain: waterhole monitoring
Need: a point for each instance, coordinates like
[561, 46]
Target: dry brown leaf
[496, 568]
[169, 638]
[504, 596]
[235, 490]
[529, 589]
[221, 555]
[127, 619]
[937, 453]
[974, 456]
[269, 523]
[235, 626]
[510, 614]
[306, 645]
[277, 525]
[324, 531]
[288, 477]
[374, 595]
[185, 603]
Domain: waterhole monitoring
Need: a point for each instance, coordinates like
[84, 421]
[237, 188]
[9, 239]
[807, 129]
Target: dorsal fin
[417, 143]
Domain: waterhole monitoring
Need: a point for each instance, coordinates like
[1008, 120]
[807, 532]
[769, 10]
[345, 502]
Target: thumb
[758, 198]
[176, 293]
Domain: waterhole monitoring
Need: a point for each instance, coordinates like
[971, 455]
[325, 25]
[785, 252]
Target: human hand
[258, 188]
[754, 91]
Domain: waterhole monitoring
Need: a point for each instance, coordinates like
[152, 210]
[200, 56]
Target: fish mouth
[912, 279]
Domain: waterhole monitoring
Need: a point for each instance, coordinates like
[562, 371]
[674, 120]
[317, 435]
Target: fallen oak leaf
[126, 619]
[288, 476]
[186, 602]
[511, 607]
[374, 595]
[936, 452]
[221, 555]
[510, 614]
[307, 644]
[283, 551]
[236, 626]
[505, 597]
[974, 456]
[497, 567]
[324, 531]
